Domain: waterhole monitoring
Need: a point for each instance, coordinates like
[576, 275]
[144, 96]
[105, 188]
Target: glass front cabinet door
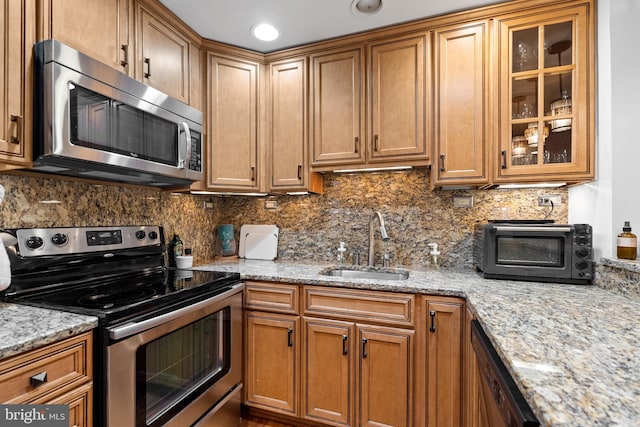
[546, 96]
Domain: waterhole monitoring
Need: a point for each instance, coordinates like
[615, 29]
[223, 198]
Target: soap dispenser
[435, 253]
[341, 253]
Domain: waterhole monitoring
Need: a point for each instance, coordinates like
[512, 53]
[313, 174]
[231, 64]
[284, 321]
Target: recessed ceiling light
[366, 7]
[265, 32]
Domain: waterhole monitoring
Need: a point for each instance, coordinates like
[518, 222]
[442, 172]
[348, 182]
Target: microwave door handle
[183, 161]
[534, 229]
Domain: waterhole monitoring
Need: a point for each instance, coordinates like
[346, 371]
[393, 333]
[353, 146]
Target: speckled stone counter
[574, 351]
[619, 276]
[23, 328]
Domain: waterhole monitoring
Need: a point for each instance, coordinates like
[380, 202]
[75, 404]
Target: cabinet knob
[38, 379]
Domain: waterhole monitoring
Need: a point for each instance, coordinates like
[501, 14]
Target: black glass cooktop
[131, 295]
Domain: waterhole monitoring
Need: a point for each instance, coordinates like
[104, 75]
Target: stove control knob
[34, 242]
[59, 239]
[153, 235]
[140, 234]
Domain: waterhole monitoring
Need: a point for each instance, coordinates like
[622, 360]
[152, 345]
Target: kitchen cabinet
[16, 81]
[461, 107]
[397, 89]
[395, 111]
[338, 107]
[288, 148]
[67, 366]
[546, 94]
[101, 29]
[163, 55]
[345, 364]
[272, 347]
[470, 376]
[444, 328]
[232, 124]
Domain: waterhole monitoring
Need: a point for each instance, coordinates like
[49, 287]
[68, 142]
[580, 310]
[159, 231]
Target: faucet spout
[383, 234]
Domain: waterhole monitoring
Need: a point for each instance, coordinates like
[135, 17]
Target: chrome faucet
[383, 234]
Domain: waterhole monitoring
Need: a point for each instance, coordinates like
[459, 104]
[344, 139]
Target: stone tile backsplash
[311, 227]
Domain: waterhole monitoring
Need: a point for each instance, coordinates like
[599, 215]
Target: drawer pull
[364, 348]
[290, 337]
[147, 74]
[345, 350]
[432, 314]
[38, 379]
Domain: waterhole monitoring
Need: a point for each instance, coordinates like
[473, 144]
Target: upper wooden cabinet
[461, 110]
[395, 90]
[16, 82]
[232, 124]
[337, 107]
[397, 85]
[546, 95]
[162, 60]
[288, 147]
[101, 29]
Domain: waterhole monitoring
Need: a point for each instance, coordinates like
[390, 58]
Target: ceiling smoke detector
[366, 7]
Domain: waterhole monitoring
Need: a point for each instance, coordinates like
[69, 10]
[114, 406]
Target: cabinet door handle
[299, 172]
[357, 144]
[504, 159]
[442, 168]
[375, 142]
[253, 173]
[125, 55]
[147, 74]
[290, 337]
[345, 350]
[364, 348]
[432, 314]
[15, 139]
[38, 379]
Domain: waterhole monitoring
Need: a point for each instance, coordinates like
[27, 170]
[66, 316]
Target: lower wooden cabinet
[347, 357]
[444, 319]
[67, 366]
[271, 370]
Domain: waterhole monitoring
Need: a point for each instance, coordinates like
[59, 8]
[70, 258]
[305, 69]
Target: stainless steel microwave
[92, 121]
[545, 252]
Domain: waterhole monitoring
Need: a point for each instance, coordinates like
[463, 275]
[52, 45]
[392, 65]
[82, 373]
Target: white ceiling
[301, 21]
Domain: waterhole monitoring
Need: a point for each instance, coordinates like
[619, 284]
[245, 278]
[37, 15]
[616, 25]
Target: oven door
[172, 369]
[533, 252]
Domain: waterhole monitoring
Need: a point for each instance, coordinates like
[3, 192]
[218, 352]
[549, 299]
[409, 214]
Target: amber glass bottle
[627, 243]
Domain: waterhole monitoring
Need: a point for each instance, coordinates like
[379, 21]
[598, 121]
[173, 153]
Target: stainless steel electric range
[167, 349]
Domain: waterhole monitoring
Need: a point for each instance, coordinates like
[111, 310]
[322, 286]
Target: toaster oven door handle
[133, 328]
[536, 229]
[184, 152]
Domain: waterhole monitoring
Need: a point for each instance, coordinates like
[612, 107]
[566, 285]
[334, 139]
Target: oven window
[530, 251]
[176, 368]
[102, 123]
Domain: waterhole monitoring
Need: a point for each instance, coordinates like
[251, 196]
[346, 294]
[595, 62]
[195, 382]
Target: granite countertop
[25, 328]
[574, 351]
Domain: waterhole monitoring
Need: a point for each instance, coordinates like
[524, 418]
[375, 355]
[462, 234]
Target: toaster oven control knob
[153, 235]
[34, 242]
[582, 252]
[140, 234]
[582, 265]
[59, 239]
[582, 240]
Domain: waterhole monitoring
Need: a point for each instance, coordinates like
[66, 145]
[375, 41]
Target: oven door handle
[133, 328]
[536, 229]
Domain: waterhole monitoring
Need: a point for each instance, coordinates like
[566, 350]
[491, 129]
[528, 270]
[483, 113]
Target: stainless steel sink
[367, 274]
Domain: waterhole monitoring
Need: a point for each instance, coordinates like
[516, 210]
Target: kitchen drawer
[274, 297]
[67, 365]
[360, 305]
[80, 405]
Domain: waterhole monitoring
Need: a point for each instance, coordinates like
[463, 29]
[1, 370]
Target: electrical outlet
[547, 199]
